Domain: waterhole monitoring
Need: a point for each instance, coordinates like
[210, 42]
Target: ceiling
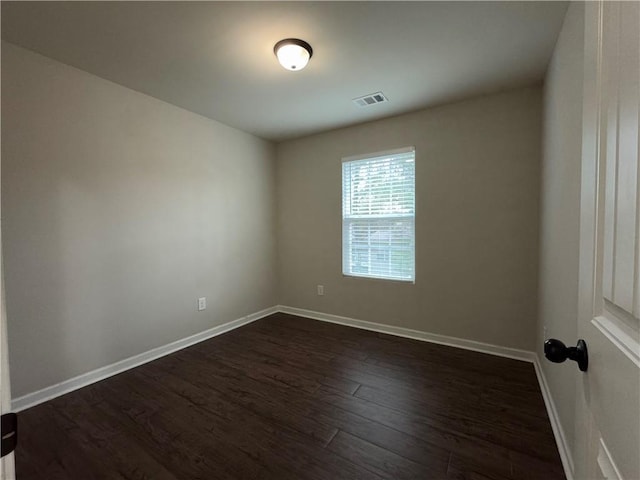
[216, 58]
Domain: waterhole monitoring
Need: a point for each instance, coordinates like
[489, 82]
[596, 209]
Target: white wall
[560, 210]
[118, 211]
[477, 185]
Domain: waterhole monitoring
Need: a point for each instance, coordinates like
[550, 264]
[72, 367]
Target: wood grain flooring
[291, 398]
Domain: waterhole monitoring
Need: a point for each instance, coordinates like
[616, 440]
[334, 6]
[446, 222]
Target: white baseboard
[48, 393]
[513, 353]
[558, 431]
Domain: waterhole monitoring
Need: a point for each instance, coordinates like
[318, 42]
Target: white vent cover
[370, 99]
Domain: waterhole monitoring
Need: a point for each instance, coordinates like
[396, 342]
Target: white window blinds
[378, 215]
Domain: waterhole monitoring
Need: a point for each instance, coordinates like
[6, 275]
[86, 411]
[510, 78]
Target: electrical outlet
[320, 289]
[202, 303]
[544, 332]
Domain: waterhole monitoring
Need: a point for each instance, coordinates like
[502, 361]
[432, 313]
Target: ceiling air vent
[370, 99]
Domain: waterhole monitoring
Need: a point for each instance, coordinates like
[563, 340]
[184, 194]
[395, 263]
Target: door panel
[626, 193]
[619, 96]
[610, 122]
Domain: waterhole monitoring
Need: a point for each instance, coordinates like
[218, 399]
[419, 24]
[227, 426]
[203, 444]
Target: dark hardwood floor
[290, 398]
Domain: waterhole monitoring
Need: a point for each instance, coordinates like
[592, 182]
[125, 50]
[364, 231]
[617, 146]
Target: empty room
[320, 240]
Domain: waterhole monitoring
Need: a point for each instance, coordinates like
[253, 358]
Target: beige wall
[560, 210]
[118, 211]
[477, 180]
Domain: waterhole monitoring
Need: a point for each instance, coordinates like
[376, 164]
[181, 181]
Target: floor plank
[381, 461]
[292, 398]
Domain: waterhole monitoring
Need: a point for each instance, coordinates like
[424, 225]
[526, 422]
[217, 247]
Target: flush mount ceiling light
[293, 53]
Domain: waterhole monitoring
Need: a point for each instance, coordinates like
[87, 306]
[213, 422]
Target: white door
[7, 467]
[608, 395]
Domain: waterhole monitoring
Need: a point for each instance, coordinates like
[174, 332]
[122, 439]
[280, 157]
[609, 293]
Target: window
[378, 215]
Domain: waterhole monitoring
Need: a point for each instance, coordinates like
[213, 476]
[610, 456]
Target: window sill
[380, 279]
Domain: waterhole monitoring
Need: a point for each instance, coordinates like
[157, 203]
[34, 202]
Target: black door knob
[557, 352]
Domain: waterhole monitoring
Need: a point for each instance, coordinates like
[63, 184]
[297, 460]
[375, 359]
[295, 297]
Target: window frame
[346, 221]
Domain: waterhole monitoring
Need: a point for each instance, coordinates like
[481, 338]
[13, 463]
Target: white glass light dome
[293, 54]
